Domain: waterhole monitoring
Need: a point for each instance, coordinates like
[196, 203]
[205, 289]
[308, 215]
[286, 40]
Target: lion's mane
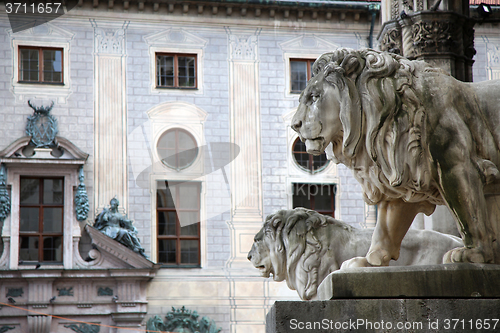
[294, 234]
[382, 117]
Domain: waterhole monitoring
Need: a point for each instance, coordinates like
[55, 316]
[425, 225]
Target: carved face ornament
[317, 119]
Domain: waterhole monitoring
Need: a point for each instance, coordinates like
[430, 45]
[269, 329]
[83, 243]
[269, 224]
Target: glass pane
[190, 230]
[52, 66]
[166, 251]
[52, 248]
[298, 74]
[166, 148]
[186, 219]
[319, 162]
[52, 220]
[29, 65]
[189, 251]
[188, 196]
[301, 196]
[185, 141]
[165, 195]
[165, 71]
[166, 223]
[30, 191]
[29, 219]
[53, 191]
[323, 195]
[186, 71]
[28, 249]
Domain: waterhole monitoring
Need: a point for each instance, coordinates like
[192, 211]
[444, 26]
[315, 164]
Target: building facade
[180, 110]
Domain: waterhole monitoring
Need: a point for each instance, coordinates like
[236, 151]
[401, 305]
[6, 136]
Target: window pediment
[64, 152]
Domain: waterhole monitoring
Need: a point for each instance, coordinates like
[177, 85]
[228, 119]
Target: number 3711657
[32, 8]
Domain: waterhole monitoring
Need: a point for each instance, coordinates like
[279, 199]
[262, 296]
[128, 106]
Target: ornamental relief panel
[434, 37]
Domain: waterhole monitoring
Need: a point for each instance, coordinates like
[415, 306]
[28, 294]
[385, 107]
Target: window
[300, 73]
[178, 223]
[308, 162]
[175, 70]
[177, 149]
[41, 219]
[318, 197]
[40, 65]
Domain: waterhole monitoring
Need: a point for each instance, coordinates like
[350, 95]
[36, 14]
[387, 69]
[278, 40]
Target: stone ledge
[433, 281]
[384, 315]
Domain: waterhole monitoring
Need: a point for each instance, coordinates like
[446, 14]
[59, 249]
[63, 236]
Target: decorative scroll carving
[243, 47]
[84, 328]
[108, 41]
[42, 126]
[81, 198]
[65, 291]
[182, 320]
[434, 36]
[4, 194]
[104, 291]
[14, 292]
[391, 42]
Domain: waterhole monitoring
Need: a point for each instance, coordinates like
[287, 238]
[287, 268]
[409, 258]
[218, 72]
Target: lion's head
[365, 105]
[289, 247]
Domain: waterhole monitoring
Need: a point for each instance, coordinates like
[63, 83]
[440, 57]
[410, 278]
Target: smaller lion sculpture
[302, 247]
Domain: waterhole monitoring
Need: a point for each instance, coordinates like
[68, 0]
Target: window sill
[180, 266]
[42, 83]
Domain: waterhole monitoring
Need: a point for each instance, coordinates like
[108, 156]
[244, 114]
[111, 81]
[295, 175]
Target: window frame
[309, 62]
[40, 65]
[177, 130]
[178, 237]
[41, 234]
[176, 70]
[311, 160]
[51, 169]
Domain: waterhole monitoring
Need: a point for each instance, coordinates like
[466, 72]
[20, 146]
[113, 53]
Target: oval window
[308, 162]
[177, 149]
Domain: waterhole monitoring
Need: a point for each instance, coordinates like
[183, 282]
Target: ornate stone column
[110, 116]
[439, 32]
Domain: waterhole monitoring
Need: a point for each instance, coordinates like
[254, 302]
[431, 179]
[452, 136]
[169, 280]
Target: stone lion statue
[414, 137]
[302, 247]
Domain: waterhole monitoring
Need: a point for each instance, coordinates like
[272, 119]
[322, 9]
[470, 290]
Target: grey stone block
[447, 281]
[385, 315]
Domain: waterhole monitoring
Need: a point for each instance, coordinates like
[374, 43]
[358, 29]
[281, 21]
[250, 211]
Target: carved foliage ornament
[81, 198]
[84, 328]
[42, 126]
[4, 194]
[182, 320]
[434, 36]
[391, 41]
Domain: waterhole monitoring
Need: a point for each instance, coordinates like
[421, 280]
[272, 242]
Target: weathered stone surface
[302, 247]
[415, 137]
[447, 281]
[385, 315]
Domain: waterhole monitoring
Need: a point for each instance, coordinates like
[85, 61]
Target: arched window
[177, 149]
[308, 162]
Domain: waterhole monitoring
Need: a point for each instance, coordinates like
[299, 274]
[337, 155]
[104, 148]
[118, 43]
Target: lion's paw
[464, 254]
[356, 262]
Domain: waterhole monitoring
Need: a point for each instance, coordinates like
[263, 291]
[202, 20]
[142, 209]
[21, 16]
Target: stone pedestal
[454, 298]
